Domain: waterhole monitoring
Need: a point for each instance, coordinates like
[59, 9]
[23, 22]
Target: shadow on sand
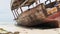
[41, 26]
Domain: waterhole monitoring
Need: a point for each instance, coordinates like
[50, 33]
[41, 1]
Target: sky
[5, 12]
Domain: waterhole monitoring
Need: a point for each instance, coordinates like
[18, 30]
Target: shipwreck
[42, 13]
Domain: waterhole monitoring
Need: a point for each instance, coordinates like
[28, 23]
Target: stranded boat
[42, 13]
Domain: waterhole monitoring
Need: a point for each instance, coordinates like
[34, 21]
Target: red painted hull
[56, 15]
[55, 19]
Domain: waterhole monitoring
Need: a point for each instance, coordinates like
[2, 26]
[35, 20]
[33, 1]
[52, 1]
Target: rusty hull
[35, 16]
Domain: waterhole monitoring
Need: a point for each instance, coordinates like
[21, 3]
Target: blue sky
[6, 17]
[5, 12]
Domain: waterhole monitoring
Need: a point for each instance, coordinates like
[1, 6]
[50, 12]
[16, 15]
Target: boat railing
[44, 7]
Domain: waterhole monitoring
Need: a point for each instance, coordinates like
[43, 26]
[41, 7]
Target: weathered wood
[21, 3]
[21, 10]
[24, 2]
[13, 14]
[15, 4]
[31, 17]
[37, 15]
[17, 12]
[48, 0]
